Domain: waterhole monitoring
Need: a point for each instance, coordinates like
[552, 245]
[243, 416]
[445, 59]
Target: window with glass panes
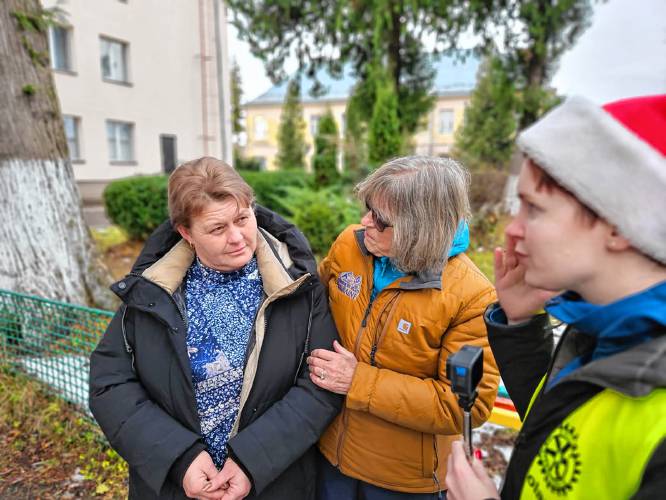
[314, 124]
[72, 124]
[119, 136]
[59, 39]
[113, 59]
[260, 128]
[445, 121]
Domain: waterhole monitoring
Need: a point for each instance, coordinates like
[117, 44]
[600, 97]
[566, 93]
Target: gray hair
[425, 199]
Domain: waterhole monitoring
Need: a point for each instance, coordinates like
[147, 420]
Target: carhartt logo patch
[404, 326]
[349, 284]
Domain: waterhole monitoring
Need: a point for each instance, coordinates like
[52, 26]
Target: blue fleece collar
[617, 326]
[460, 240]
[385, 273]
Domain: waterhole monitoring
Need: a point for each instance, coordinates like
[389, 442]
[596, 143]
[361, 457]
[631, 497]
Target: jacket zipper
[253, 333]
[378, 338]
[526, 429]
[373, 351]
[128, 347]
[357, 343]
[344, 413]
[304, 283]
[434, 472]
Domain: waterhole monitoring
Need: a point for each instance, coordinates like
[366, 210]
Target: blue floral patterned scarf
[221, 308]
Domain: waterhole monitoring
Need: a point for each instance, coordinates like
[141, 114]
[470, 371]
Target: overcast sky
[623, 53]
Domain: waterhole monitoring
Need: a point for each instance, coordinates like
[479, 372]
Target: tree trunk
[510, 201]
[45, 246]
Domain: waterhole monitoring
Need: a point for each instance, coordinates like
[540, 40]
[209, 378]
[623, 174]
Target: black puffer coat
[141, 391]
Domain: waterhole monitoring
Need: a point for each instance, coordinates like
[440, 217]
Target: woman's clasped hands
[203, 480]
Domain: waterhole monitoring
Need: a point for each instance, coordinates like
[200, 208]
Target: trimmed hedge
[321, 215]
[137, 204]
[270, 186]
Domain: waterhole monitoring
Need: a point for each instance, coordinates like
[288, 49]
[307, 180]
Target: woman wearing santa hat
[592, 223]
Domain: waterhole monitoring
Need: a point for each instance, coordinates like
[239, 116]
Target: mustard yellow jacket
[400, 416]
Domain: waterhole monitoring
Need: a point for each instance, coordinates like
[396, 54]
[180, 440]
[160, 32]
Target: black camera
[464, 369]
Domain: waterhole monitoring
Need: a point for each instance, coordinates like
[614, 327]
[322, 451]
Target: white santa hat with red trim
[613, 159]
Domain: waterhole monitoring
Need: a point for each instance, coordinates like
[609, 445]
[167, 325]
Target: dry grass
[487, 232]
[49, 450]
[118, 251]
[119, 258]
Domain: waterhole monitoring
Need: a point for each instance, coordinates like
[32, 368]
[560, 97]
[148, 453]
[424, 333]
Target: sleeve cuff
[183, 462]
[232, 455]
[495, 319]
[362, 387]
[495, 315]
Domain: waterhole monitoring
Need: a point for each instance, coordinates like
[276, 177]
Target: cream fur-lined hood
[283, 254]
[272, 259]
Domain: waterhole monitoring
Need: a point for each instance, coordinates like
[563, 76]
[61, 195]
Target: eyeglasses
[379, 223]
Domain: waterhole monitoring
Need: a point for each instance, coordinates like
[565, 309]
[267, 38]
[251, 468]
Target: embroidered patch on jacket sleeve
[349, 284]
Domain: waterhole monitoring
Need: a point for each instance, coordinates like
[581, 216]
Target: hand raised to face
[518, 299]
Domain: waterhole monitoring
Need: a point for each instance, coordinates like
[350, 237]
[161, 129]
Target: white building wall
[164, 94]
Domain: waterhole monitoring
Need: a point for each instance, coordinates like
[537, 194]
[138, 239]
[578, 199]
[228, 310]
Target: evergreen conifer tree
[486, 137]
[349, 27]
[355, 137]
[291, 135]
[236, 96]
[384, 136]
[325, 159]
[236, 113]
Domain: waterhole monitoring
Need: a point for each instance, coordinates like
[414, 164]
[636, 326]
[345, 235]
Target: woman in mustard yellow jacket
[403, 296]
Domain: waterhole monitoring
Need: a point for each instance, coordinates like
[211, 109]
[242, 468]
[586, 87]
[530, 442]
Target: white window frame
[63, 62]
[260, 128]
[118, 71]
[446, 127]
[314, 124]
[75, 154]
[114, 141]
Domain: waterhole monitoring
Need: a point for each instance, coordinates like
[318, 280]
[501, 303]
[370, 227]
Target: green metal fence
[50, 341]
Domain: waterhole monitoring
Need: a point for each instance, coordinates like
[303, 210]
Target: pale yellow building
[453, 85]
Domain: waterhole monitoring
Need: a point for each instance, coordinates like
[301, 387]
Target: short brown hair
[198, 182]
[546, 182]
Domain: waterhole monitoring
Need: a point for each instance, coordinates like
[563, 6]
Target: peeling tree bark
[45, 247]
